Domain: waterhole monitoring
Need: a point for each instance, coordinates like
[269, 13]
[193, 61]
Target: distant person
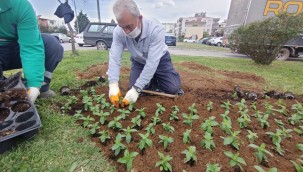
[22, 46]
[151, 66]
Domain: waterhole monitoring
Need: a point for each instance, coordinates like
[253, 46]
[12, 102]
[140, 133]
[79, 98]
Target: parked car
[99, 34]
[217, 41]
[62, 37]
[204, 40]
[208, 42]
[170, 39]
[79, 39]
[189, 40]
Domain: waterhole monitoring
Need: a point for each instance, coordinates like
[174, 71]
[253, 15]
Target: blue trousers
[10, 57]
[166, 79]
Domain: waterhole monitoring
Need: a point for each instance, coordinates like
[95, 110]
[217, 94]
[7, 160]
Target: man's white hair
[125, 5]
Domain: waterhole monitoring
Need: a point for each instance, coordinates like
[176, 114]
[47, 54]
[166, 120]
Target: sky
[165, 11]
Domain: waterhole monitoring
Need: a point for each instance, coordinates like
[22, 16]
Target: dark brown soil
[4, 113]
[201, 85]
[21, 106]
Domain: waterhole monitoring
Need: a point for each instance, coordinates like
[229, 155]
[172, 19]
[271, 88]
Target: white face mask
[133, 34]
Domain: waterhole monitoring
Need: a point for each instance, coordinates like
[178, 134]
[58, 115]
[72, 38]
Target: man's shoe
[180, 92]
[48, 93]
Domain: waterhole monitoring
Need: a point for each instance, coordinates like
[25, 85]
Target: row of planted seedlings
[97, 116]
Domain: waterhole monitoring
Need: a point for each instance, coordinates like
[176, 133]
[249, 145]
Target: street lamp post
[99, 18]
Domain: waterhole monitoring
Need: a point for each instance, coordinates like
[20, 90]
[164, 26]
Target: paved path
[185, 52]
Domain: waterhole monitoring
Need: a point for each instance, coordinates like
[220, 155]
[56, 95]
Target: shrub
[262, 40]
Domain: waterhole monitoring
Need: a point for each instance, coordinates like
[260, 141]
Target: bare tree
[71, 31]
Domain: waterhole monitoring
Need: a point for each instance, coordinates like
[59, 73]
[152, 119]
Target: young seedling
[226, 105]
[175, 108]
[149, 129]
[232, 140]
[208, 124]
[93, 128]
[263, 120]
[186, 136]
[261, 152]
[209, 106]
[128, 159]
[295, 119]
[212, 167]
[136, 121]
[242, 105]
[165, 140]
[192, 109]
[174, 116]
[141, 112]
[279, 123]
[144, 141]
[282, 111]
[124, 113]
[251, 136]
[243, 121]
[276, 139]
[253, 105]
[208, 142]
[103, 116]
[156, 120]
[299, 167]
[87, 120]
[190, 154]
[226, 125]
[131, 106]
[164, 162]
[189, 118]
[160, 109]
[300, 147]
[104, 135]
[88, 102]
[92, 91]
[299, 130]
[118, 146]
[95, 110]
[168, 127]
[105, 104]
[112, 108]
[269, 108]
[225, 114]
[285, 133]
[235, 160]
[78, 115]
[98, 98]
[260, 169]
[128, 134]
[115, 124]
[84, 92]
[71, 100]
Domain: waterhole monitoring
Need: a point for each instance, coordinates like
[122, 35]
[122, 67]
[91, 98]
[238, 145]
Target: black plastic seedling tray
[19, 119]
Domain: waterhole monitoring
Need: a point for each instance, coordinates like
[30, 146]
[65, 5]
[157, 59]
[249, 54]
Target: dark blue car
[170, 39]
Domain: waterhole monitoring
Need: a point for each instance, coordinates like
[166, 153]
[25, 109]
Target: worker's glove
[33, 93]
[131, 96]
[114, 94]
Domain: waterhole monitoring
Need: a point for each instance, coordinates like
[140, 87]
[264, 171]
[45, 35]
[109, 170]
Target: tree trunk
[73, 40]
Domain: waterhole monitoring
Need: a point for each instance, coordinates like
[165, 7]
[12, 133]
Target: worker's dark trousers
[166, 79]
[10, 57]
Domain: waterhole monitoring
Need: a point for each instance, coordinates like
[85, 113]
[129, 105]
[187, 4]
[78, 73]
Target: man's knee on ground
[172, 89]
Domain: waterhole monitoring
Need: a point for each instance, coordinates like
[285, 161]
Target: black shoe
[180, 92]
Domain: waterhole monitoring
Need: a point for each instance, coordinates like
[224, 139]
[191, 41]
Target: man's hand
[131, 96]
[114, 94]
[33, 93]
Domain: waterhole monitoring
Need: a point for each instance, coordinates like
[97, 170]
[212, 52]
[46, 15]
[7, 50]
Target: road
[186, 52]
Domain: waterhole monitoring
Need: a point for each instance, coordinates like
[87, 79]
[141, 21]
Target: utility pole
[98, 6]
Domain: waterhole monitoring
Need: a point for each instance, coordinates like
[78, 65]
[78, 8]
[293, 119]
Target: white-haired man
[151, 66]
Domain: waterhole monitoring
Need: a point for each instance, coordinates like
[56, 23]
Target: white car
[79, 39]
[189, 40]
[62, 37]
[217, 41]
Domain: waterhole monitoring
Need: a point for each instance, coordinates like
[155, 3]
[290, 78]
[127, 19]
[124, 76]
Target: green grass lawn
[62, 145]
[198, 46]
